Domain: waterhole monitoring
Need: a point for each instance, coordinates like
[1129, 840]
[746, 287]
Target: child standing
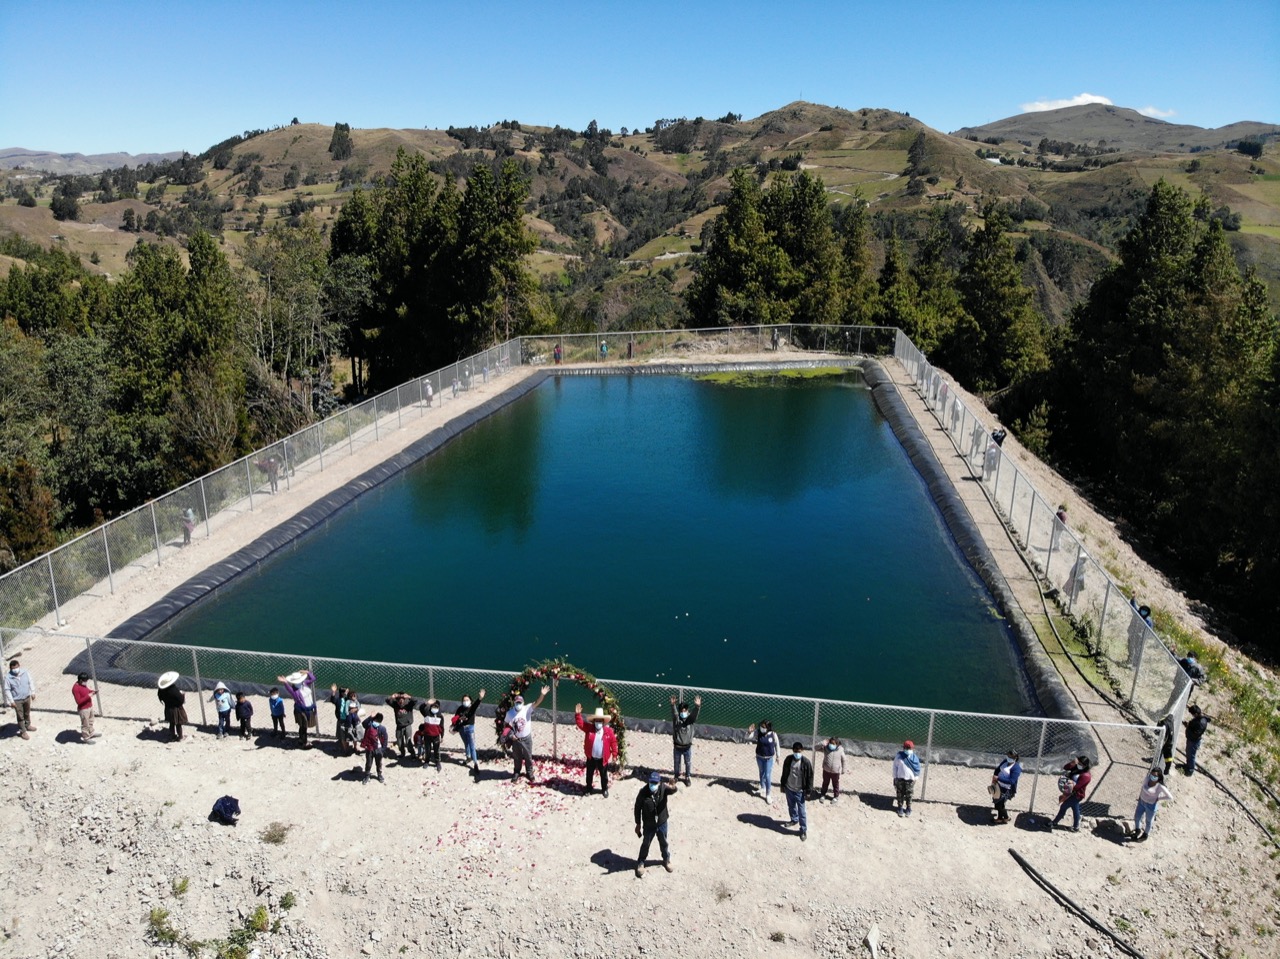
[83, 696]
[832, 768]
[432, 730]
[276, 706]
[375, 744]
[244, 713]
[222, 700]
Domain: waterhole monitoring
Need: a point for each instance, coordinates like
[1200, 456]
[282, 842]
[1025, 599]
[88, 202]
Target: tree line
[1160, 392]
[113, 393]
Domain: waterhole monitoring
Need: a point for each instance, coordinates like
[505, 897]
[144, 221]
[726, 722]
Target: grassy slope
[856, 153]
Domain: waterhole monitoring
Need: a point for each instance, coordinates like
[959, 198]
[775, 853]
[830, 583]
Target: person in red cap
[906, 767]
[600, 743]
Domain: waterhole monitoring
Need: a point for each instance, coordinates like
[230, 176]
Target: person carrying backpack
[375, 744]
[1074, 782]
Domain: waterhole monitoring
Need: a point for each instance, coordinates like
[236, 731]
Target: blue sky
[152, 76]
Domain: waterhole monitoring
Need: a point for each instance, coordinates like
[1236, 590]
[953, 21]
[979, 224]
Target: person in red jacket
[600, 745]
[83, 696]
[1074, 784]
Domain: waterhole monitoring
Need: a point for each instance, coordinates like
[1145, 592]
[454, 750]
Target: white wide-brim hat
[600, 716]
[167, 679]
[296, 679]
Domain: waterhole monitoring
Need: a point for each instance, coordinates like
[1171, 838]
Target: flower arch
[552, 671]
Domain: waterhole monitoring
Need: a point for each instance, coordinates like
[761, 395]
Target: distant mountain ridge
[18, 158]
[1120, 127]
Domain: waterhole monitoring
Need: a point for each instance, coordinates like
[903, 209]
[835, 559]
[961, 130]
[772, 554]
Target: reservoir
[767, 534]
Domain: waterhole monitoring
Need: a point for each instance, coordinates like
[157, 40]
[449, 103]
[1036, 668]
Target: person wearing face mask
[1149, 797]
[1005, 780]
[20, 693]
[682, 720]
[519, 720]
[402, 708]
[797, 781]
[651, 820]
[906, 767]
[600, 743]
[832, 768]
[464, 724]
[432, 730]
[767, 747]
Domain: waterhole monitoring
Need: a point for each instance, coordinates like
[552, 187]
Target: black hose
[1071, 906]
[1261, 785]
[1247, 811]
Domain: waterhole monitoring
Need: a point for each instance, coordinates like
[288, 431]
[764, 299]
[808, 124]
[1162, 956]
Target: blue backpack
[226, 811]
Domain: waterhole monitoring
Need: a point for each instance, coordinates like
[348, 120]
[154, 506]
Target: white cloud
[1037, 106]
[1157, 113]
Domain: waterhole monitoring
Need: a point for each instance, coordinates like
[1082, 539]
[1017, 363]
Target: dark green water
[771, 539]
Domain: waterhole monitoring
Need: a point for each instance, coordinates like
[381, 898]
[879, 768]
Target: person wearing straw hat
[174, 699]
[600, 744]
[301, 686]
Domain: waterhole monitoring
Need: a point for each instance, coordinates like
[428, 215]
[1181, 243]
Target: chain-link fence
[92, 564]
[957, 750]
[1144, 672]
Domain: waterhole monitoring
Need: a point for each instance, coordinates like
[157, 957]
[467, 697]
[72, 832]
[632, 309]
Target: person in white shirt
[519, 720]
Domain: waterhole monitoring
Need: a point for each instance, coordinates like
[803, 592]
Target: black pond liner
[1046, 686]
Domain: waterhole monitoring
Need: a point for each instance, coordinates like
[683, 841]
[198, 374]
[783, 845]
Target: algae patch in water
[757, 378]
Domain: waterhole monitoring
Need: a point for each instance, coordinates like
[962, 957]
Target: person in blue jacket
[1005, 779]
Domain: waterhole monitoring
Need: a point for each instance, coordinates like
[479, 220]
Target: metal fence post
[1044, 728]
[1102, 620]
[376, 435]
[431, 682]
[204, 504]
[106, 549]
[859, 340]
[555, 718]
[248, 475]
[284, 455]
[93, 672]
[155, 528]
[817, 706]
[195, 667]
[399, 407]
[928, 757]
[1013, 496]
[351, 443]
[1031, 515]
[1071, 605]
[1137, 667]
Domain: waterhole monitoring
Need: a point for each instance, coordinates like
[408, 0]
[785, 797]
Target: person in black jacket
[1195, 726]
[797, 782]
[464, 724]
[174, 699]
[651, 819]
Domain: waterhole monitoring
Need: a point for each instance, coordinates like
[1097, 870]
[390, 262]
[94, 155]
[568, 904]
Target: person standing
[1195, 728]
[188, 525]
[682, 720]
[557, 353]
[1059, 524]
[1074, 782]
[83, 696]
[519, 720]
[1166, 747]
[402, 708]
[244, 714]
[301, 686]
[797, 781]
[221, 699]
[906, 767]
[651, 820]
[175, 701]
[832, 768]
[275, 705]
[20, 693]
[1005, 779]
[375, 744]
[599, 743]
[1149, 796]
[464, 723]
[767, 748]
[432, 730]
